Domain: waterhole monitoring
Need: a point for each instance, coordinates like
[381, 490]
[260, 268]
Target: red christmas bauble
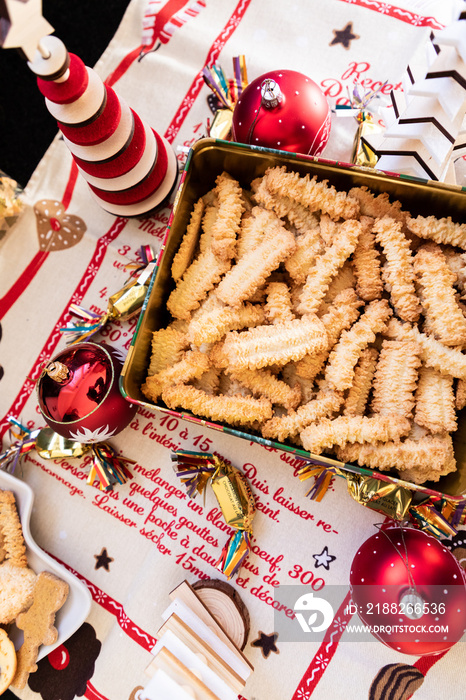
[79, 396]
[283, 109]
[410, 591]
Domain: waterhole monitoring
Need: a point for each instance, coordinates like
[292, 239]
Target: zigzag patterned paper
[426, 131]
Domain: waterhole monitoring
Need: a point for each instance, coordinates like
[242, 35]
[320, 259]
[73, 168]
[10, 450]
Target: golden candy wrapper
[362, 152]
[50, 445]
[427, 518]
[128, 301]
[220, 127]
[121, 306]
[234, 497]
[106, 467]
[390, 499]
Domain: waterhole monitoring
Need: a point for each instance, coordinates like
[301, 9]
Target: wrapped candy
[106, 466]
[362, 106]
[454, 512]
[226, 94]
[438, 517]
[383, 496]
[234, 496]
[25, 441]
[122, 305]
[426, 517]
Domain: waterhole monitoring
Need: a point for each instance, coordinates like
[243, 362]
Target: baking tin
[206, 160]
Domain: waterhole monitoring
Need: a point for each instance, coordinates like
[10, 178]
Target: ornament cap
[271, 94]
[57, 371]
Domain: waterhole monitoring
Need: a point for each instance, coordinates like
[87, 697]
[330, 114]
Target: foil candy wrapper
[438, 516]
[106, 467]
[227, 92]
[122, 305]
[220, 127]
[426, 517]
[390, 499]
[362, 153]
[234, 497]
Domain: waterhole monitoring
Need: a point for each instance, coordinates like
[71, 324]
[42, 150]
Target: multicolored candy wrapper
[107, 467]
[426, 517]
[122, 305]
[227, 93]
[323, 478]
[234, 496]
[454, 512]
[25, 441]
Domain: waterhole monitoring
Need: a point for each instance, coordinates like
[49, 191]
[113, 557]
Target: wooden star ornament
[22, 25]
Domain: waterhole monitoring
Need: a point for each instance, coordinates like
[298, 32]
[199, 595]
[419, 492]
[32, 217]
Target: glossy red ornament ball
[285, 110]
[79, 396]
[410, 590]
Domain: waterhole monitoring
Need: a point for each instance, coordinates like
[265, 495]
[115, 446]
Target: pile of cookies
[28, 600]
[326, 319]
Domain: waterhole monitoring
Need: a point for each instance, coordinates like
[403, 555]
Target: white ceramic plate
[77, 606]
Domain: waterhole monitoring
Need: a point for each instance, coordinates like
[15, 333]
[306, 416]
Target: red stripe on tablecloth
[397, 13]
[123, 66]
[321, 660]
[53, 339]
[198, 81]
[20, 284]
[145, 640]
[93, 694]
[426, 662]
[70, 185]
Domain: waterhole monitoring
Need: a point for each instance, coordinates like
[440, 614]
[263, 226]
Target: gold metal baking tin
[207, 159]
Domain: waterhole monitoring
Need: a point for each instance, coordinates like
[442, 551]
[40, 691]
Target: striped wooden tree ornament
[129, 167]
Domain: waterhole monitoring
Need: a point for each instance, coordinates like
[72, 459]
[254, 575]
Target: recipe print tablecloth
[134, 545]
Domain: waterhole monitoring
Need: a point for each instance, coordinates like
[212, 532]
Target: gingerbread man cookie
[37, 623]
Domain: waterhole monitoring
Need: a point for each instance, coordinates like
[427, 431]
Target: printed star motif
[266, 643]
[344, 36]
[102, 559]
[323, 559]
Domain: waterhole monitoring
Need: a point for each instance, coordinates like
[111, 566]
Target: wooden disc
[226, 606]
[56, 65]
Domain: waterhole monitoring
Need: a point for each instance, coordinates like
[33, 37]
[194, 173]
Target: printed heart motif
[56, 229]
